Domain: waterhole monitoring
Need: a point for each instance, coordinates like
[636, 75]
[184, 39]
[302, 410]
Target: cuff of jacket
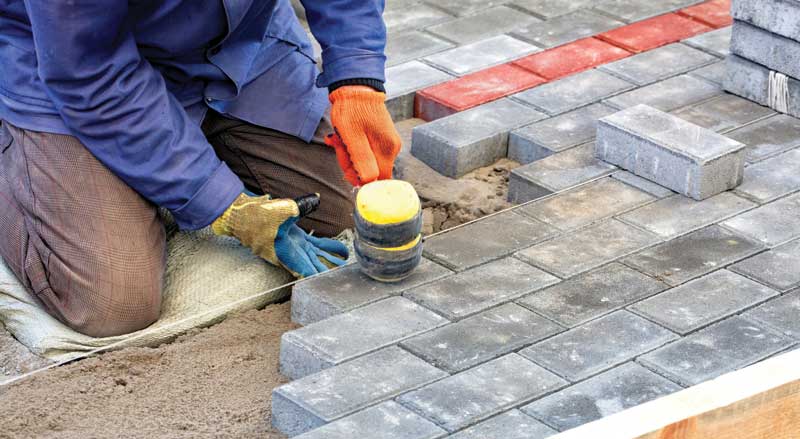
[357, 66]
[210, 201]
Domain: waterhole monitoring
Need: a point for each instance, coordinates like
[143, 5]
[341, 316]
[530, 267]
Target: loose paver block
[571, 58]
[772, 178]
[703, 301]
[402, 82]
[566, 28]
[684, 157]
[574, 253]
[480, 242]
[481, 392]
[347, 288]
[654, 32]
[592, 294]
[765, 48]
[716, 42]
[724, 113]
[480, 288]
[642, 184]
[678, 215]
[727, 346]
[416, 17]
[693, 255]
[318, 399]
[347, 336]
[715, 13]
[778, 268]
[780, 17]
[773, 223]
[655, 65]
[465, 141]
[636, 10]
[582, 352]
[547, 137]
[713, 73]
[481, 338]
[388, 420]
[768, 137]
[573, 91]
[484, 24]
[669, 94]
[408, 46]
[510, 425]
[610, 392]
[481, 54]
[553, 8]
[780, 313]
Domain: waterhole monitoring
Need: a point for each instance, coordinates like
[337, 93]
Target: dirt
[16, 359]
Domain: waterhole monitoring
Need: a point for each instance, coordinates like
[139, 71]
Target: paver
[389, 420]
[768, 137]
[724, 347]
[573, 91]
[480, 288]
[777, 268]
[600, 396]
[642, 184]
[724, 113]
[481, 54]
[571, 58]
[556, 173]
[318, 399]
[669, 94]
[465, 141]
[654, 32]
[566, 28]
[581, 352]
[703, 301]
[779, 16]
[484, 24]
[416, 17]
[463, 248]
[588, 248]
[347, 336]
[636, 10]
[684, 157]
[402, 81]
[693, 255]
[481, 338]
[547, 137]
[586, 204]
[553, 8]
[717, 42]
[773, 223]
[592, 294]
[478, 393]
[765, 48]
[779, 313]
[713, 73]
[715, 13]
[655, 65]
[467, 7]
[510, 425]
[408, 46]
[772, 178]
[751, 81]
[347, 288]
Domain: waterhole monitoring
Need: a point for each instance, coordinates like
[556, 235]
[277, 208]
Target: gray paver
[768, 137]
[773, 223]
[462, 142]
[643, 184]
[580, 352]
[566, 28]
[772, 178]
[340, 291]
[318, 399]
[703, 301]
[484, 24]
[669, 94]
[724, 113]
[657, 64]
[779, 16]
[481, 338]
[481, 54]
[510, 425]
[402, 81]
[573, 91]
[346, 336]
[727, 346]
[693, 255]
[716, 42]
[780, 313]
[751, 81]
[408, 46]
[608, 393]
[588, 248]
[713, 73]
[547, 137]
[482, 287]
[483, 391]
[592, 294]
[636, 10]
[553, 8]
[416, 17]
[586, 204]
[765, 48]
[459, 249]
[467, 7]
[778, 268]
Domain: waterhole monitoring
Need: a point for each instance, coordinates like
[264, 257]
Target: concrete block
[724, 113]
[480, 288]
[776, 268]
[669, 94]
[510, 425]
[779, 313]
[579, 353]
[611, 392]
[716, 42]
[478, 393]
[693, 255]
[345, 289]
[484, 24]
[654, 32]
[769, 137]
[460, 143]
[566, 28]
[657, 64]
[570, 58]
[703, 301]
[765, 48]
[481, 54]
[713, 73]
[637, 10]
[772, 178]
[547, 137]
[407, 46]
[553, 8]
[573, 91]
[402, 17]
[588, 248]
[642, 184]
[773, 224]
[684, 157]
[459, 249]
[402, 82]
[725, 347]
[592, 294]
[779, 16]
[481, 338]
[350, 335]
[751, 81]
[319, 399]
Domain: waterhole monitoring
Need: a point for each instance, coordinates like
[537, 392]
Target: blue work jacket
[132, 79]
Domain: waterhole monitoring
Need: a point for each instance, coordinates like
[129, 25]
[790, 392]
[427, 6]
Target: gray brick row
[724, 113]
[769, 137]
[484, 24]
[778, 268]
[399, 17]
[510, 425]
[407, 46]
[765, 48]
[780, 314]
[566, 28]
[779, 16]
[573, 91]
[668, 95]
[552, 8]
[657, 64]
[751, 81]
[402, 83]
[637, 10]
[642, 184]
[713, 73]
[772, 224]
[716, 42]
[466, 7]
[772, 178]
[481, 54]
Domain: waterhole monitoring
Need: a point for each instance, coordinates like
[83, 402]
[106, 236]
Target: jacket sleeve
[352, 35]
[117, 104]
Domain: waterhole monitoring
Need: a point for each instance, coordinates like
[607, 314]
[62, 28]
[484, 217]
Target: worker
[212, 109]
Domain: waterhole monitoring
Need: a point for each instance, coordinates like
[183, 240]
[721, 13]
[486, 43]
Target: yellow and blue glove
[269, 228]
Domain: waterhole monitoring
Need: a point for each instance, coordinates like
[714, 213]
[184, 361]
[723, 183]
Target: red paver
[715, 13]
[571, 58]
[654, 32]
[472, 90]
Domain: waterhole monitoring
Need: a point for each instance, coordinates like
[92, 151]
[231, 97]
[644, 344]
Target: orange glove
[366, 141]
